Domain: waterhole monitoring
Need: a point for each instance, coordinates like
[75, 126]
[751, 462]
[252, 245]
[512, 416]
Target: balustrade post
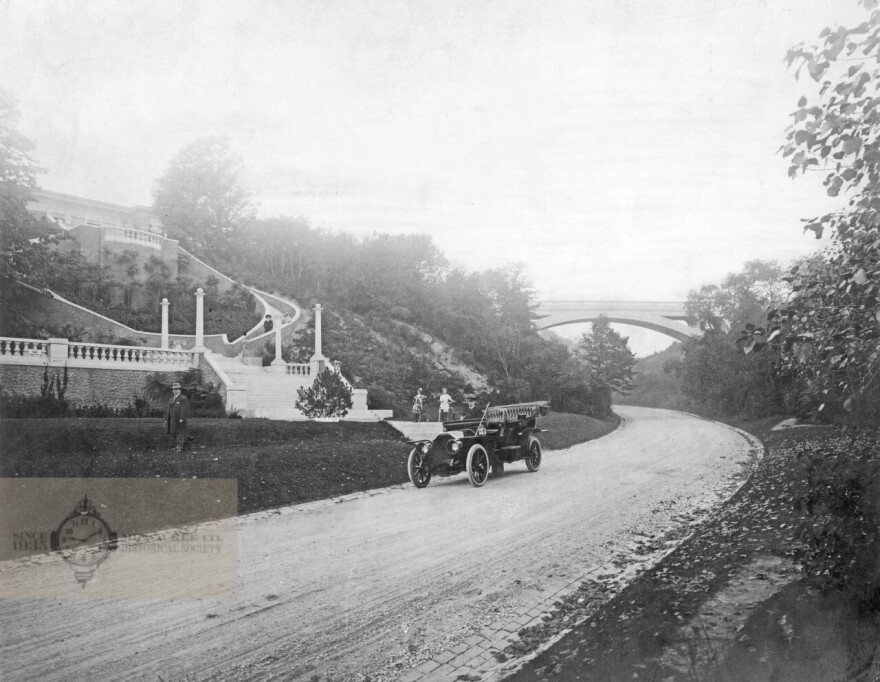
[57, 351]
[199, 347]
[165, 305]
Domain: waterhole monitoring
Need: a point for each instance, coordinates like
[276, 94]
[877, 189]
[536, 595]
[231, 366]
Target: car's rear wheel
[477, 465]
[418, 468]
[533, 459]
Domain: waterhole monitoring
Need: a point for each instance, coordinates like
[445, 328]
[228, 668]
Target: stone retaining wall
[85, 386]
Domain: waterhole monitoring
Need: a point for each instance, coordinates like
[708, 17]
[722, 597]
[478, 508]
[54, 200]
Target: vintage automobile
[478, 445]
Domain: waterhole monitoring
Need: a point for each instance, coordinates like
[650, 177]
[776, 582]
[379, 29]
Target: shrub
[842, 500]
[329, 396]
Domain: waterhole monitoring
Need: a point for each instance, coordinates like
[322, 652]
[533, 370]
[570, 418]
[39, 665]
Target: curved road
[341, 588]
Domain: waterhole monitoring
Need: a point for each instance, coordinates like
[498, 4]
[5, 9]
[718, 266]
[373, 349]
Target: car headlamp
[455, 446]
[425, 447]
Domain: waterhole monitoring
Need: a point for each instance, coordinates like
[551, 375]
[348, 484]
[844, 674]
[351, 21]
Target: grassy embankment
[276, 463]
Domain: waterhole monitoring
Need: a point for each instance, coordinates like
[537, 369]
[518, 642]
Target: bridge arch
[663, 317]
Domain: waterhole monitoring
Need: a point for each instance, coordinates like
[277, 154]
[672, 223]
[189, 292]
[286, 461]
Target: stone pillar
[318, 361]
[165, 305]
[276, 325]
[318, 353]
[57, 350]
[200, 321]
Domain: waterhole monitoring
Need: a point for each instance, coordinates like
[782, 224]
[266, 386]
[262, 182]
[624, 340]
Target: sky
[621, 149]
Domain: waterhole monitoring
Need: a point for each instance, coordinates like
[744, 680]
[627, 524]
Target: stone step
[288, 414]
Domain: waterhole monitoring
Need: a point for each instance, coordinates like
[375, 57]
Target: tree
[714, 377]
[829, 331]
[509, 323]
[20, 258]
[742, 297]
[328, 396]
[24, 254]
[608, 357]
[200, 197]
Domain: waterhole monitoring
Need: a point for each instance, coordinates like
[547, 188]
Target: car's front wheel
[418, 468]
[477, 465]
[533, 459]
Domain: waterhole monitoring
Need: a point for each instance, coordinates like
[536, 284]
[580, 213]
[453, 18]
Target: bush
[329, 396]
[842, 499]
[15, 406]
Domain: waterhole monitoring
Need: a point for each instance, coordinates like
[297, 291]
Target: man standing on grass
[176, 417]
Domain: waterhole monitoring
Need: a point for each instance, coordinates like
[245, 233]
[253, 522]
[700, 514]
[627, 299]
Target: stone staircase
[271, 392]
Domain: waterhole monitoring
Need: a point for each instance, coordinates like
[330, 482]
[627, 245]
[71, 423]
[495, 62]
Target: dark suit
[176, 420]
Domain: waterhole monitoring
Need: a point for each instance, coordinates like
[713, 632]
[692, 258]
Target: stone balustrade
[58, 352]
[128, 235]
[132, 355]
[23, 348]
[300, 369]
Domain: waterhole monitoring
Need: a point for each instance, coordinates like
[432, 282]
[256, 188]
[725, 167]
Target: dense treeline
[374, 288]
[389, 281]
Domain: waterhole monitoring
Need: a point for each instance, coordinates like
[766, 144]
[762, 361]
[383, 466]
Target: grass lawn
[276, 463]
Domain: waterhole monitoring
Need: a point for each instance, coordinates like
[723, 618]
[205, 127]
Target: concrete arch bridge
[666, 317]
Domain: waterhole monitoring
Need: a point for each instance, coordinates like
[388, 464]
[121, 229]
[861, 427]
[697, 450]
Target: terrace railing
[23, 348]
[128, 355]
[300, 369]
[59, 352]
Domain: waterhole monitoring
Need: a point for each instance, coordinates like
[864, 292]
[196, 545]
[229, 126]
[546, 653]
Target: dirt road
[376, 583]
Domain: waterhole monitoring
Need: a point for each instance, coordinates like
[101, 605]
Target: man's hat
[175, 385]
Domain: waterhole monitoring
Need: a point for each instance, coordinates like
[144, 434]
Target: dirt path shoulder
[730, 603]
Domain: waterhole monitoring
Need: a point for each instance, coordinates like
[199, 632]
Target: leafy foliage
[23, 253]
[387, 285]
[200, 198]
[841, 530]
[741, 298]
[718, 380]
[715, 378]
[607, 356]
[328, 396]
[135, 303]
[829, 333]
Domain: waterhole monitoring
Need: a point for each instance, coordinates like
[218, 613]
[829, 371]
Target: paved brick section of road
[482, 658]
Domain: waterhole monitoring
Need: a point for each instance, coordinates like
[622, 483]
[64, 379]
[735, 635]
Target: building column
[276, 325]
[200, 321]
[165, 305]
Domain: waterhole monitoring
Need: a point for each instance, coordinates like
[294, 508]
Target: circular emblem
[84, 540]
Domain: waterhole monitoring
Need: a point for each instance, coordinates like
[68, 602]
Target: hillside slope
[653, 385]
[391, 359]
